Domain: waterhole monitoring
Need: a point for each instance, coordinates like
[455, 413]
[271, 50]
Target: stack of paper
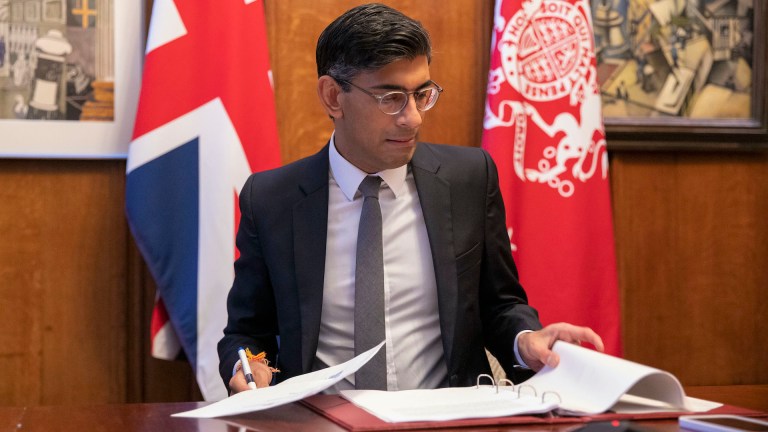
[290, 390]
[585, 382]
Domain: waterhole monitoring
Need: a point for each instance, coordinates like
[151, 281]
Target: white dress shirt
[412, 325]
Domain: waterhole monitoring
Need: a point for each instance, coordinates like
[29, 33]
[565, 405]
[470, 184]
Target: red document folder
[352, 418]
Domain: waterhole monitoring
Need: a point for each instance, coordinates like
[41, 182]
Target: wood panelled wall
[691, 235]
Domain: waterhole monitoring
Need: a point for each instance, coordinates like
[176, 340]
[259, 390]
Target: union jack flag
[206, 120]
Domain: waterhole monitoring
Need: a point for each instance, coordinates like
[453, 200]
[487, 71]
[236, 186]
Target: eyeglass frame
[407, 94]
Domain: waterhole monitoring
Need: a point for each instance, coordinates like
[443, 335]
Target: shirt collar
[349, 176]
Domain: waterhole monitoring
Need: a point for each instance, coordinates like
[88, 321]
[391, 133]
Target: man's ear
[329, 92]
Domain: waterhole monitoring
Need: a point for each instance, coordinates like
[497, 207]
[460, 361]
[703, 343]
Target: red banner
[543, 126]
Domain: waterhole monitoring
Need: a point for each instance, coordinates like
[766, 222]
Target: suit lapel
[310, 226]
[435, 197]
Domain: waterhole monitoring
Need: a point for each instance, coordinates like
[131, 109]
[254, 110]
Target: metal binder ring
[503, 380]
[544, 395]
[520, 387]
[493, 383]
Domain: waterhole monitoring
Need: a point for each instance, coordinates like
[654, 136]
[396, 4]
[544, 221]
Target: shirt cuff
[237, 366]
[517, 351]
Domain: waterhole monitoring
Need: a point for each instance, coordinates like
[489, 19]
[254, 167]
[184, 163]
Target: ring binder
[503, 380]
[585, 382]
[519, 388]
[544, 395]
[479, 377]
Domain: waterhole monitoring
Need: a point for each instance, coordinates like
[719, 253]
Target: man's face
[368, 138]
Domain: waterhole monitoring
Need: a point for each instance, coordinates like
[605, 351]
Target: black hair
[369, 37]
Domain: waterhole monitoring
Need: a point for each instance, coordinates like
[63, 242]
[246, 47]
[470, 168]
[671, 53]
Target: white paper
[700, 405]
[590, 382]
[630, 404]
[446, 403]
[290, 390]
[585, 382]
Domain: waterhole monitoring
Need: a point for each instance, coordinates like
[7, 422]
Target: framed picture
[17, 11]
[70, 82]
[32, 11]
[687, 72]
[54, 11]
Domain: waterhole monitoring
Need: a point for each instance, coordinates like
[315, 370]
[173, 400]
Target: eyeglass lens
[394, 102]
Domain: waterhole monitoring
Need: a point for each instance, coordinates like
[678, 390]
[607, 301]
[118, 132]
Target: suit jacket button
[453, 380]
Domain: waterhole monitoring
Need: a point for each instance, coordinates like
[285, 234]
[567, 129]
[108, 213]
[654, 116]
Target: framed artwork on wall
[691, 72]
[54, 11]
[70, 72]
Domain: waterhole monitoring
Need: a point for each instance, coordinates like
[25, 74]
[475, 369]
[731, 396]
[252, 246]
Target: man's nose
[410, 116]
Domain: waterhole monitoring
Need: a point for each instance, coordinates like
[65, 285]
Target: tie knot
[369, 187]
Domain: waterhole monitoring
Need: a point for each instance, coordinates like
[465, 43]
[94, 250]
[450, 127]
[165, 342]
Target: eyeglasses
[395, 101]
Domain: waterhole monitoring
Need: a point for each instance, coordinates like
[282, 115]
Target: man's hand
[535, 348]
[262, 375]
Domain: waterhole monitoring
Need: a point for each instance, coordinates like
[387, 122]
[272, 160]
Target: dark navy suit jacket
[278, 287]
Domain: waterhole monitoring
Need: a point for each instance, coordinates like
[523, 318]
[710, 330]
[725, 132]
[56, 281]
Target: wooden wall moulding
[683, 74]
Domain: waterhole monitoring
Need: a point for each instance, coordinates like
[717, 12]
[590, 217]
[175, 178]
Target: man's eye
[423, 95]
[392, 98]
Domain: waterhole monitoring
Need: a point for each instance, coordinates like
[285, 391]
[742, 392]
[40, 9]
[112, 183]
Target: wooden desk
[747, 396]
[156, 418]
[292, 417]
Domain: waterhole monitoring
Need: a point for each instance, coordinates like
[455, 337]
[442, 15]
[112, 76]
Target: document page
[446, 403]
[590, 382]
[290, 390]
[629, 404]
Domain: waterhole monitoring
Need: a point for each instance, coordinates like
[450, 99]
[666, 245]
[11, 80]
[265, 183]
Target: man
[450, 287]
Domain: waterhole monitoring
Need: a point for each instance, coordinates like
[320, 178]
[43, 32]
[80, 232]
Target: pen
[246, 368]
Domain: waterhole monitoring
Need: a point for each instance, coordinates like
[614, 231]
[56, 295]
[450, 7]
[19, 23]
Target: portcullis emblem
[546, 49]
[546, 56]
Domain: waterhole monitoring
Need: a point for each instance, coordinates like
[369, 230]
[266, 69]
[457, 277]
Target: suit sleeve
[504, 304]
[251, 311]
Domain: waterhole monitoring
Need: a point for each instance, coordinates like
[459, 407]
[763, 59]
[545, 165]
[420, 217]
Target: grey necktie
[369, 289]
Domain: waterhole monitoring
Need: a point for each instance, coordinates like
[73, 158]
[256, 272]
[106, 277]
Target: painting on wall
[680, 62]
[69, 76]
